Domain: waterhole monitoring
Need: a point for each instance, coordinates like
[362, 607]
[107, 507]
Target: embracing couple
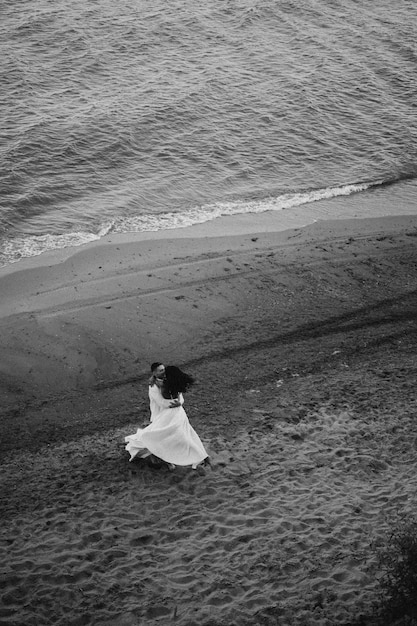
[169, 436]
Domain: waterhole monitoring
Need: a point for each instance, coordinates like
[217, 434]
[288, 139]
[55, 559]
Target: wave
[22, 247]
[208, 212]
[14, 250]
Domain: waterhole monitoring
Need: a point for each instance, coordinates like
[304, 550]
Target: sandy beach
[303, 343]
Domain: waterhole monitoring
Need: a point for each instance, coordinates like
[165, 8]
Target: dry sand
[303, 343]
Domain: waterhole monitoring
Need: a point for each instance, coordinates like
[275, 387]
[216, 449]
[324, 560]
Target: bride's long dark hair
[175, 382]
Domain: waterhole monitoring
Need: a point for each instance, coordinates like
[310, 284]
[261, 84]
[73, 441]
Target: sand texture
[303, 344]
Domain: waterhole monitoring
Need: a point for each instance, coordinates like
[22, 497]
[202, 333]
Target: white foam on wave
[208, 212]
[21, 247]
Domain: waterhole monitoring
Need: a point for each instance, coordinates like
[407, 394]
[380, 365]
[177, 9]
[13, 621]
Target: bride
[169, 436]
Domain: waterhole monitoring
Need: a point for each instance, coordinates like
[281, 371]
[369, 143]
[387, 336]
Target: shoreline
[376, 202]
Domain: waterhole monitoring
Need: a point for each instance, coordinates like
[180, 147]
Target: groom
[158, 374]
[156, 401]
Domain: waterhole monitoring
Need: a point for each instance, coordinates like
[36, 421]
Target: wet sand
[303, 343]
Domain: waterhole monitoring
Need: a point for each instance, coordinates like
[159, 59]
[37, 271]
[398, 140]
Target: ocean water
[137, 115]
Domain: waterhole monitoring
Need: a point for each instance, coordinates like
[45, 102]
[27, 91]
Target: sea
[142, 115]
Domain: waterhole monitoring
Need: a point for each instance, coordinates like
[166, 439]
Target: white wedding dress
[169, 436]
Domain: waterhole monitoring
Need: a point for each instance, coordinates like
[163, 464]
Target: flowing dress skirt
[170, 437]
